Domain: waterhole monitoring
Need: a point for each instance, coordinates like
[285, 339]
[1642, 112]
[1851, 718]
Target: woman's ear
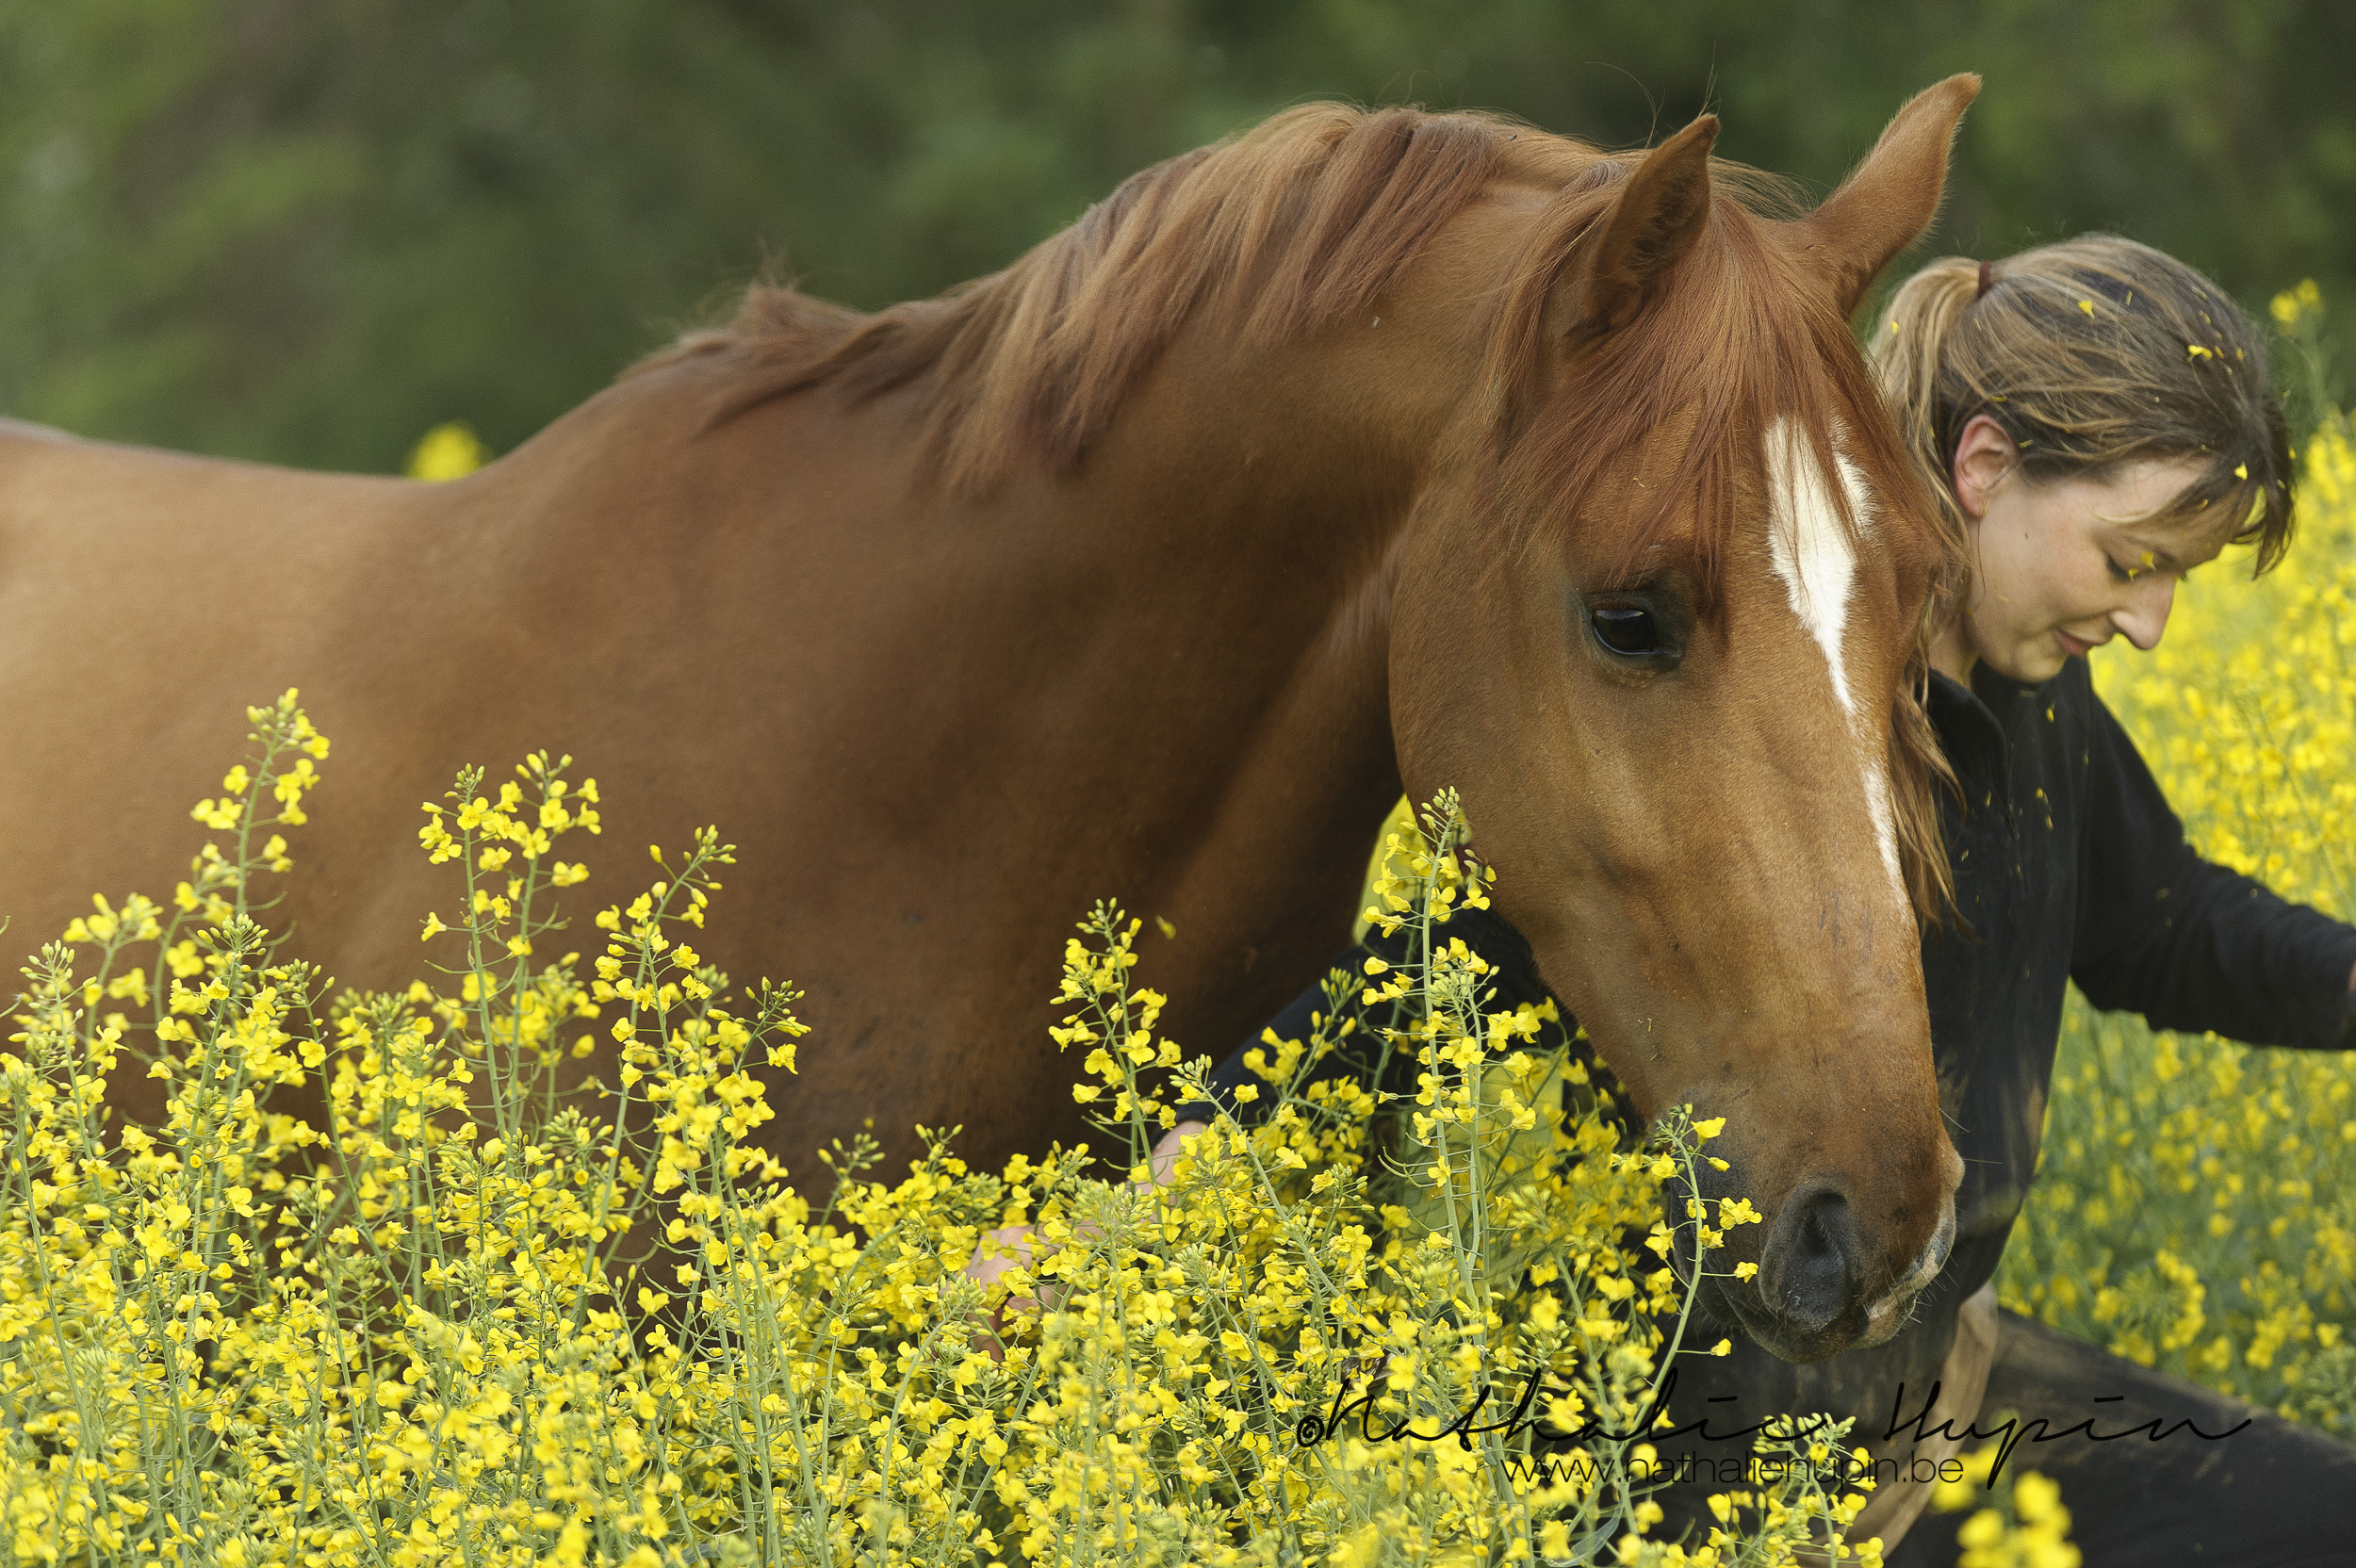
[1983, 455]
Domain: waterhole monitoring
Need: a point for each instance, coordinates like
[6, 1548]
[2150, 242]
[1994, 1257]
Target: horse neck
[1240, 527]
[1288, 471]
[1175, 653]
[1275, 489]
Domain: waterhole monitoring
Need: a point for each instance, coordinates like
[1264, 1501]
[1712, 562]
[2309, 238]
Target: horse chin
[1860, 1327]
[1884, 1319]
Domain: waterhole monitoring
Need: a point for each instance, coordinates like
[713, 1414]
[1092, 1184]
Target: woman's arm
[2186, 942]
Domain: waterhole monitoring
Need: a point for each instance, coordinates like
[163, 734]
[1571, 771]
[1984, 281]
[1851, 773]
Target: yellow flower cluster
[388, 1285]
[2195, 1209]
[2023, 1526]
[2303, 302]
[448, 450]
[1314, 1338]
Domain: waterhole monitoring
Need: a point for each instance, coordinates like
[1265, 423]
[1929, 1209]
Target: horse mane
[1296, 222]
[1306, 220]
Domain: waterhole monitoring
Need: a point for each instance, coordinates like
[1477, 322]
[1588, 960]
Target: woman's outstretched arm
[2186, 942]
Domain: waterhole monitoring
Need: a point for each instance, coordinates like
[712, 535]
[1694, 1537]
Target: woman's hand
[1014, 1242]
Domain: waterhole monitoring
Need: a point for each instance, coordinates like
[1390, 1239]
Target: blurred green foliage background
[305, 230]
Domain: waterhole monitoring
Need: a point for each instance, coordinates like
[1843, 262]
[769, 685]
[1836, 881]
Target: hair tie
[1984, 279]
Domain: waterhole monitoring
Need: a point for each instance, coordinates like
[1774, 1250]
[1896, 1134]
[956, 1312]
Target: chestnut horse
[1366, 451]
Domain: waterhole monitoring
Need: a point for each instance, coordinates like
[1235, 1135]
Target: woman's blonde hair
[2089, 353]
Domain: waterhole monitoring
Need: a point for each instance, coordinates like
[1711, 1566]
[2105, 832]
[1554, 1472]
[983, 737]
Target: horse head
[1656, 617]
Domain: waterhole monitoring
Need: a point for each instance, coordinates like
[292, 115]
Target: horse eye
[1626, 631]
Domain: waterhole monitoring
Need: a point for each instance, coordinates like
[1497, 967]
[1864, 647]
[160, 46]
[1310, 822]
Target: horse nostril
[1806, 1271]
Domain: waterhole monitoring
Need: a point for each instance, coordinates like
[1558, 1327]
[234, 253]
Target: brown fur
[1153, 566]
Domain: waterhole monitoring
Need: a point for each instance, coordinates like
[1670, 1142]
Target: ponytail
[1906, 356]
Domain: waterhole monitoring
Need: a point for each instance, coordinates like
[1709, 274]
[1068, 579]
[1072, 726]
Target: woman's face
[2063, 567]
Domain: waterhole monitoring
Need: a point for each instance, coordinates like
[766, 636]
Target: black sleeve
[1295, 1023]
[1516, 977]
[2186, 942]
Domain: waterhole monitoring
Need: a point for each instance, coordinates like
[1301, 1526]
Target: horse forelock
[1744, 353]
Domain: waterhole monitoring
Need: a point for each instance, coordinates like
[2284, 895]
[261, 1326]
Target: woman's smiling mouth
[2072, 646]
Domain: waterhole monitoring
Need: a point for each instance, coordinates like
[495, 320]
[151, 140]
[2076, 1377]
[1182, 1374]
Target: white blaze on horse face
[1814, 553]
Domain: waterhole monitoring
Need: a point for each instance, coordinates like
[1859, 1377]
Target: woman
[2094, 420]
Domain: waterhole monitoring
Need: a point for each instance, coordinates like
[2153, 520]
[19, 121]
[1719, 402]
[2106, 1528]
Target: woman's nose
[2144, 616]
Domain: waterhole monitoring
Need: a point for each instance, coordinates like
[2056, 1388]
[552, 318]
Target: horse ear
[1659, 215]
[1890, 198]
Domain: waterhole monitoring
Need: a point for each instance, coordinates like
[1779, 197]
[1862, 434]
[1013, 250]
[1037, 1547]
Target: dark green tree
[305, 230]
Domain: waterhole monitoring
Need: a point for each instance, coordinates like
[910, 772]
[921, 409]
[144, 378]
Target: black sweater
[2068, 865]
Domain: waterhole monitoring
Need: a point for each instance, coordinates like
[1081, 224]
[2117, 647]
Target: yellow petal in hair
[2196, 350]
[2241, 471]
[2087, 306]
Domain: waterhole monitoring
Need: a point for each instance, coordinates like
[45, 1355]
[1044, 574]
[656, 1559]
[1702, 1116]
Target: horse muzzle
[1814, 1294]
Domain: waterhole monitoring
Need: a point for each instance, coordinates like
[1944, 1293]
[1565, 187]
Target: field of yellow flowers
[473, 1320]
